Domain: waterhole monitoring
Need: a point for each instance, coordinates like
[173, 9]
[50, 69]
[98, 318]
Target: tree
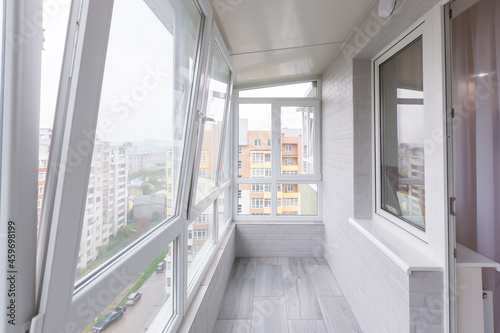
[142, 225]
[156, 217]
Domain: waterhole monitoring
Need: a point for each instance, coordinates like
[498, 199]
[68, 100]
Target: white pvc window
[125, 134]
[212, 181]
[135, 109]
[404, 123]
[213, 125]
[290, 131]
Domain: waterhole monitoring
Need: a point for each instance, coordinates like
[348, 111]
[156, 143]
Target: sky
[136, 97]
[137, 92]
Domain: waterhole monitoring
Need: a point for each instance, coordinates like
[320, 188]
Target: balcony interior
[251, 166]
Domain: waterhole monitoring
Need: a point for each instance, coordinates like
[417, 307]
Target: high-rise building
[106, 206]
[255, 162]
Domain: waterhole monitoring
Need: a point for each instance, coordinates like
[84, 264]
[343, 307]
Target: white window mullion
[276, 155]
[78, 139]
[19, 126]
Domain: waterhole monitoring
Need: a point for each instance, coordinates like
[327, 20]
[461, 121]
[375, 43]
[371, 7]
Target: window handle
[204, 117]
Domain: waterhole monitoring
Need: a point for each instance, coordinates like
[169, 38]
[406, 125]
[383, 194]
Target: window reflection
[402, 135]
[200, 240]
[212, 135]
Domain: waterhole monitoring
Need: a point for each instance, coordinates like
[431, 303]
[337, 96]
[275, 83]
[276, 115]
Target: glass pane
[297, 140]
[200, 241]
[217, 97]
[254, 151]
[254, 199]
[402, 135]
[224, 210]
[138, 148]
[297, 199]
[52, 55]
[307, 89]
[145, 304]
[226, 171]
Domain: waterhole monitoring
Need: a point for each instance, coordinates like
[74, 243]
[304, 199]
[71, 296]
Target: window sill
[404, 255]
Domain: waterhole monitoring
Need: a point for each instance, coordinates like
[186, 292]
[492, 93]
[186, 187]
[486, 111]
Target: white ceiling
[276, 39]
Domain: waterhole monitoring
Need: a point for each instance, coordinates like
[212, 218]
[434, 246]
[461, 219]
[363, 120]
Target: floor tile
[269, 281]
[301, 268]
[323, 281]
[330, 279]
[306, 326]
[301, 301]
[232, 326]
[269, 315]
[337, 315]
[244, 268]
[288, 268]
[238, 299]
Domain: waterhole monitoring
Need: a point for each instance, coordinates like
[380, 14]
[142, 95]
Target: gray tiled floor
[275, 295]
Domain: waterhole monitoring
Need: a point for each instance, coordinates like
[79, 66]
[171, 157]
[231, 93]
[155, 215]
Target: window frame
[85, 64]
[431, 242]
[276, 176]
[421, 31]
[215, 44]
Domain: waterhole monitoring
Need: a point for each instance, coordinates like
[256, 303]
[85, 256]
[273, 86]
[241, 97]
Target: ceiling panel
[282, 63]
[285, 32]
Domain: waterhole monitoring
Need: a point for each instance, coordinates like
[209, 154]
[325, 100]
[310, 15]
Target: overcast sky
[136, 98]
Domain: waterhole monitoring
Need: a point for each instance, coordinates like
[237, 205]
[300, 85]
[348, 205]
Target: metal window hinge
[452, 113]
[452, 206]
[451, 13]
[455, 253]
[37, 323]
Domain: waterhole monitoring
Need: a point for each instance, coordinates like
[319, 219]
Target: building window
[289, 161]
[288, 148]
[269, 142]
[256, 142]
[261, 173]
[288, 188]
[204, 158]
[199, 234]
[261, 188]
[257, 203]
[257, 158]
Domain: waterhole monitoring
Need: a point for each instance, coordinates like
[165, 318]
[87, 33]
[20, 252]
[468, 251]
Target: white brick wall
[382, 297]
[203, 312]
[279, 239]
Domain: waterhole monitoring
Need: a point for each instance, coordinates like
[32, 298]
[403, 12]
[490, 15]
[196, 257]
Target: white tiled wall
[382, 296]
[205, 307]
[279, 240]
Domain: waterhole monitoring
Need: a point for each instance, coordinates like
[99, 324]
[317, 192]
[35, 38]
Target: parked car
[161, 267]
[107, 321]
[133, 298]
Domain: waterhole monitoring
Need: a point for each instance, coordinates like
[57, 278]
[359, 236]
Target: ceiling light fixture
[385, 7]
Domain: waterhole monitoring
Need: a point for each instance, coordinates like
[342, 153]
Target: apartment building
[107, 199]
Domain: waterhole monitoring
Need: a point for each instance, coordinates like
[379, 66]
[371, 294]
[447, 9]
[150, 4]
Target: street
[138, 317]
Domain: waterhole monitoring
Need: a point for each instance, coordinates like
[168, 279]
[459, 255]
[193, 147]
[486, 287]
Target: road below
[138, 317]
